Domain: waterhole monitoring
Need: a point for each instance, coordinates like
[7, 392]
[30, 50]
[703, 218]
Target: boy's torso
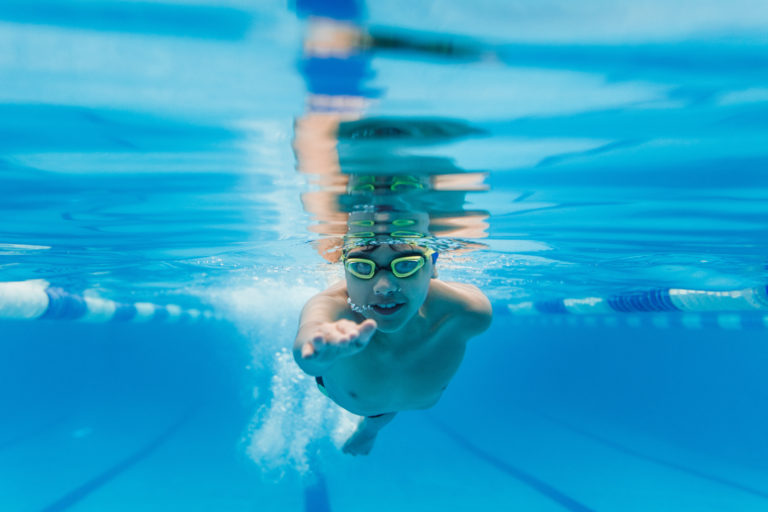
[404, 370]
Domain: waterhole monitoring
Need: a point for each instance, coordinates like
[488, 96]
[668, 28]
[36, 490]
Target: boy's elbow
[483, 320]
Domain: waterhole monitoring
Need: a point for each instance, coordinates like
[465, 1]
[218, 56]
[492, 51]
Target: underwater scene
[341, 255]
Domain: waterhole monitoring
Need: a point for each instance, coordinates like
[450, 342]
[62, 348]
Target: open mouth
[387, 309]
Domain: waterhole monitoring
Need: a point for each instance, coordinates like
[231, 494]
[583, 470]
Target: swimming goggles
[400, 233]
[402, 267]
[398, 184]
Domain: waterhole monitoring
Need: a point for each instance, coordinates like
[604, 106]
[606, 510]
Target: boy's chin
[388, 328]
[390, 325]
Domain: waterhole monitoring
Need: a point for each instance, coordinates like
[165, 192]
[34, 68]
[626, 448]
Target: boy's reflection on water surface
[391, 335]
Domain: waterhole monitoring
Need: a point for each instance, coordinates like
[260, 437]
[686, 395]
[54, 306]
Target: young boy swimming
[390, 337]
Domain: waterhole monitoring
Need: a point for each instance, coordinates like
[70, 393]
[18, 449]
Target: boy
[390, 337]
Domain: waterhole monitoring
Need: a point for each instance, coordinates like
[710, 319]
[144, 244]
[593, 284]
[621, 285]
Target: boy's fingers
[367, 329]
[368, 326]
[346, 327]
[308, 350]
[317, 343]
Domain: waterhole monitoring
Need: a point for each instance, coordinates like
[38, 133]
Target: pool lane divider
[32, 300]
[730, 309]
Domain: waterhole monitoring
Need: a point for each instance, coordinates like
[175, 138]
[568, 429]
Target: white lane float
[30, 300]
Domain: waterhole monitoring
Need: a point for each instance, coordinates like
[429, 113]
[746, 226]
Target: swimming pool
[158, 244]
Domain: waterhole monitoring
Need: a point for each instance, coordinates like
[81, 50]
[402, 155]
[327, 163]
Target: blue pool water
[168, 196]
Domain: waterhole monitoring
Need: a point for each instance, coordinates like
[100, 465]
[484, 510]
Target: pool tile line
[78, 494]
[38, 430]
[527, 479]
[650, 458]
[316, 497]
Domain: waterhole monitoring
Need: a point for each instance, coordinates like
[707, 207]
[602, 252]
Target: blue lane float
[30, 300]
[653, 301]
[696, 309]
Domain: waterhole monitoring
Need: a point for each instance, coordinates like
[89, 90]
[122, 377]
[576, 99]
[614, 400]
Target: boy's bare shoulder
[332, 301]
[459, 295]
[335, 291]
[463, 302]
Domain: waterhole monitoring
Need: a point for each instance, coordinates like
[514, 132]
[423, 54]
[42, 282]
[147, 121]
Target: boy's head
[388, 281]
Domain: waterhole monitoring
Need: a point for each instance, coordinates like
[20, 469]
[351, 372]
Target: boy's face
[389, 300]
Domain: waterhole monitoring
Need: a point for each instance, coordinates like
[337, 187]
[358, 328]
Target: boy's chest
[379, 380]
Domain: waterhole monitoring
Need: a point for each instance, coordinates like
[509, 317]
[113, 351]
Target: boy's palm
[344, 337]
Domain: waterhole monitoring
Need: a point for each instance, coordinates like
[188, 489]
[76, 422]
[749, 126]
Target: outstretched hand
[339, 338]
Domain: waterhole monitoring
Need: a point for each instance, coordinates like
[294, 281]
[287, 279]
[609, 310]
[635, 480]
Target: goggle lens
[407, 266]
[363, 269]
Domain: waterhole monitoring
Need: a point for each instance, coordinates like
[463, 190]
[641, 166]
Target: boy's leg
[361, 441]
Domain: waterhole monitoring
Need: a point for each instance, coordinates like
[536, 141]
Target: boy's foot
[358, 444]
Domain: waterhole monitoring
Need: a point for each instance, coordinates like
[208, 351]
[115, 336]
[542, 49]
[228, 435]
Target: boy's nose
[385, 284]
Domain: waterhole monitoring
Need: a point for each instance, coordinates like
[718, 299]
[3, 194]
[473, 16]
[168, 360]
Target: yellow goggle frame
[402, 267]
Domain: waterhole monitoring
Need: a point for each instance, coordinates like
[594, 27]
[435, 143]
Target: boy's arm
[324, 336]
[479, 310]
